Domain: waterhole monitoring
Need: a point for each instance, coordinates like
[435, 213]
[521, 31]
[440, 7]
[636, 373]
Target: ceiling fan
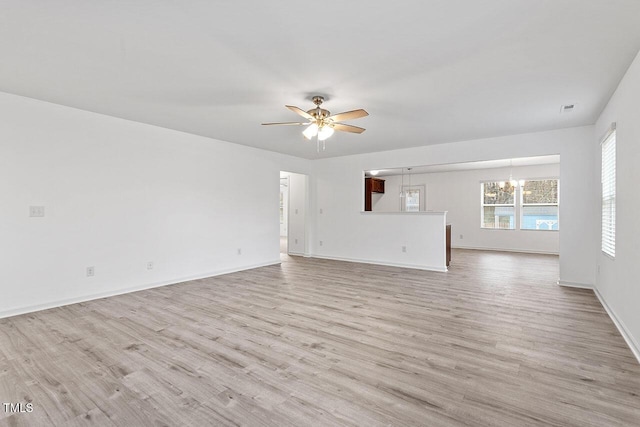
[321, 123]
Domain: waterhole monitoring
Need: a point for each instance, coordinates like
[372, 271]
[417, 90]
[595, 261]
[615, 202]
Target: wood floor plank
[493, 342]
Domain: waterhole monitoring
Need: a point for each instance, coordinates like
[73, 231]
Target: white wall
[414, 240]
[458, 193]
[339, 191]
[118, 194]
[618, 282]
[340, 230]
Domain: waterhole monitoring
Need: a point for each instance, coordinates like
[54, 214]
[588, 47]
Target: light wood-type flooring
[493, 342]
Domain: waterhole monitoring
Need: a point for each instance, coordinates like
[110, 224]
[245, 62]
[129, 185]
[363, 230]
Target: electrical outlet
[296, 240]
[320, 242]
[321, 211]
[296, 211]
[404, 249]
[36, 211]
[461, 237]
[150, 265]
[239, 251]
[91, 271]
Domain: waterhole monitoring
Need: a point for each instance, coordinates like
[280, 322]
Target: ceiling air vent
[568, 108]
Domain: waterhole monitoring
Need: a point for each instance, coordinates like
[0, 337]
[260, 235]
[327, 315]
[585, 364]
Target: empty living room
[420, 213]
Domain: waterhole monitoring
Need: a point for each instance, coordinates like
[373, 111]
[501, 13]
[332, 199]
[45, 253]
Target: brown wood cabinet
[372, 185]
[377, 185]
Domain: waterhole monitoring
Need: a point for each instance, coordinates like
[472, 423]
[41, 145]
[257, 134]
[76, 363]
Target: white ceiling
[427, 71]
[485, 164]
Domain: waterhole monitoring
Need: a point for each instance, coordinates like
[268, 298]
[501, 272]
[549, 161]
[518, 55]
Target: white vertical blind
[609, 194]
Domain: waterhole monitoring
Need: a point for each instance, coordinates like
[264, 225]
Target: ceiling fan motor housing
[319, 113]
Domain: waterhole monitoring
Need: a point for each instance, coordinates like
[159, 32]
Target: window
[498, 205]
[412, 200]
[609, 194]
[539, 202]
[535, 208]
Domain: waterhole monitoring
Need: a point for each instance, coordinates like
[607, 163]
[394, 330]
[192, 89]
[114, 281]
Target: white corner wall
[338, 190]
[119, 194]
[618, 283]
[458, 193]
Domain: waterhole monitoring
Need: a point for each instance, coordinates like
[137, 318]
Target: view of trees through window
[540, 205]
[536, 201]
[498, 205]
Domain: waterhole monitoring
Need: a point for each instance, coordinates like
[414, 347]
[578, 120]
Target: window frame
[422, 196]
[522, 205]
[518, 205]
[483, 205]
[608, 228]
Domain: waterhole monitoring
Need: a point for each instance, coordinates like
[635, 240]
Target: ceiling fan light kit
[321, 123]
[310, 131]
[325, 132]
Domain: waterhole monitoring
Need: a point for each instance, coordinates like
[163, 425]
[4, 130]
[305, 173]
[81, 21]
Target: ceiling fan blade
[347, 128]
[286, 124]
[348, 115]
[300, 112]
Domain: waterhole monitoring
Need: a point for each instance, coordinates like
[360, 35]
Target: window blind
[609, 194]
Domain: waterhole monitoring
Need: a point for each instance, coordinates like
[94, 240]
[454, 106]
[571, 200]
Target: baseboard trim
[522, 251]
[90, 297]
[297, 254]
[633, 345]
[575, 285]
[390, 264]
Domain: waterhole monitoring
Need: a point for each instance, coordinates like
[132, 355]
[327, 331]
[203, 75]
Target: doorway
[294, 202]
[284, 212]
